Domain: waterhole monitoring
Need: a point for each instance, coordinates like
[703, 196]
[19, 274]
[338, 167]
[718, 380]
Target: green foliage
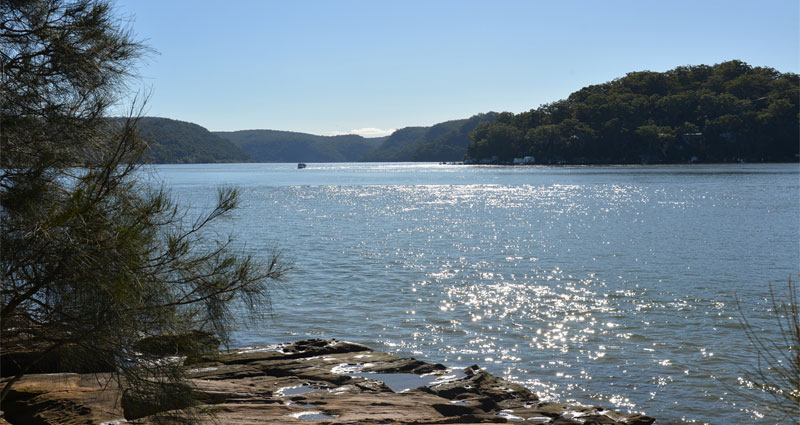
[176, 142]
[776, 375]
[92, 259]
[287, 146]
[726, 112]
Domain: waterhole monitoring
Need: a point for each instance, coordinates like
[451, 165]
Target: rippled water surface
[601, 285]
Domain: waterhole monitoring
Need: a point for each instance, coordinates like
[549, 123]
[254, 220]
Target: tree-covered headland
[175, 142]
[729, 112]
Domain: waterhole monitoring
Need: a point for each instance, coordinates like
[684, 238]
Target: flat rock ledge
[308, 382]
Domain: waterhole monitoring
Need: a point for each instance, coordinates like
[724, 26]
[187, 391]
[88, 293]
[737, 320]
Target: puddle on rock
[246, 350]
[573, 414]
[347, 369]
[399, 382]
[312, 415]
[295, 390]
[509, 416]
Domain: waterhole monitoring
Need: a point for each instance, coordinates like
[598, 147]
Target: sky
[371, 66]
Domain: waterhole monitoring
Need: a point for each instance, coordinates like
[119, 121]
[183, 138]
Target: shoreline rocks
[309, 382]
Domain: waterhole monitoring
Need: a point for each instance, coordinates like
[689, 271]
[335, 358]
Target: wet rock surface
[310, 382]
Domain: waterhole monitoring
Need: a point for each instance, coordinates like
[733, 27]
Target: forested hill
[288, 146]
[175, 142]
[445, 141]
[722, 113]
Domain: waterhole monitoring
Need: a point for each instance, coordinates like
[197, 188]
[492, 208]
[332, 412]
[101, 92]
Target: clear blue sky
[328, 67]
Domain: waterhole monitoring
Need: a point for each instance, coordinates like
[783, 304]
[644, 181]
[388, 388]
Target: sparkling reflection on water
[602, 285]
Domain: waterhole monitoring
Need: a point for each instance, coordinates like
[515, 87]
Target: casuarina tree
[95, 260]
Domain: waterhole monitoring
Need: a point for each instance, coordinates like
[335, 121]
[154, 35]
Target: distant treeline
[722, 113]
[290, 146]
[445, 141]
[175, 142]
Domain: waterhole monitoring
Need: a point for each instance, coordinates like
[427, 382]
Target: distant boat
[301, 165]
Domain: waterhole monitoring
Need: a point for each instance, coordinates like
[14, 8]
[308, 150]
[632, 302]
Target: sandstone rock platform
[309, 382]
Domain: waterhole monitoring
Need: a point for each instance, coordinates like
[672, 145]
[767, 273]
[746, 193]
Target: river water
[613, 285]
